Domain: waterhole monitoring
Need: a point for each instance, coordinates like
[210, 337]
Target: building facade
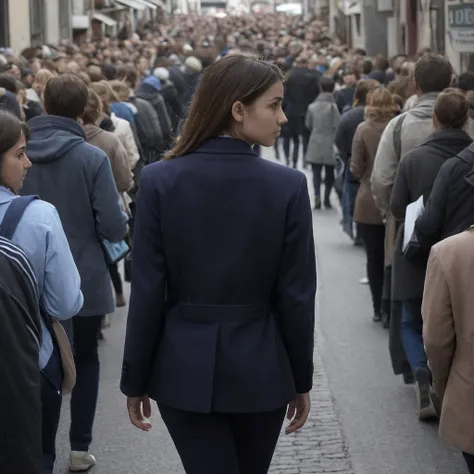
[27, 23]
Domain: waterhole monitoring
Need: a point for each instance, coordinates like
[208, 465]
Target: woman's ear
[238, 111]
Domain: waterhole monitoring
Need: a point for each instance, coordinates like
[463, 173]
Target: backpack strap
[397, 137]
[13, 215]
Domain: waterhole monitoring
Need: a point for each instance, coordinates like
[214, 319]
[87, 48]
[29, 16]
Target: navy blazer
[221, 314]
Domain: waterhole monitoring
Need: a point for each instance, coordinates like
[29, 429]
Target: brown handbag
[67, 359]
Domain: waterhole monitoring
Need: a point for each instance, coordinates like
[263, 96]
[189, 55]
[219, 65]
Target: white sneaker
[80, 461]
[364, 281]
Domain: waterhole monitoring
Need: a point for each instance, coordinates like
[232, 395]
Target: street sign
[461, 27]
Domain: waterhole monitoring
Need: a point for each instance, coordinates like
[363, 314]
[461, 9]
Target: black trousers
[116, 278]
[469, 461]
[374, 243]
[51, 399]
[84, 396]
[328, 180]
[296, 128]
[224, 443]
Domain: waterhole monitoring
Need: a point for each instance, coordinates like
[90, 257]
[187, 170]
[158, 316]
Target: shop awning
[148, 4]
[106, 20]
[135, 4]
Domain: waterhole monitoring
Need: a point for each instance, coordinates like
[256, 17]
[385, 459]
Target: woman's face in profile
[261, 122]
[15, 165]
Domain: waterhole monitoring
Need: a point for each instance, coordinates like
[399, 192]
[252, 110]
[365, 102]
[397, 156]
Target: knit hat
[194, 64]
[161, 73]
[187, 48]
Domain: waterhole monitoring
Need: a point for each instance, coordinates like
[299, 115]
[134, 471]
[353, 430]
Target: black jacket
[301, 90]
[450, 208]
[416, 175]
[346, 130]
[173, 105]
[222, 306]
[344, 98]
[150, 94]
[20, 335]
[177, 78]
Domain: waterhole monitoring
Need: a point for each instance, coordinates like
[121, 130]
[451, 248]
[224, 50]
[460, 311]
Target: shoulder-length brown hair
[380, 105]
[234, 78]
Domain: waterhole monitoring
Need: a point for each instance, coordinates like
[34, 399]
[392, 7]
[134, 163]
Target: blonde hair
[93, 109]
[105, 93]
[380, 105]
[121, 89]
[43, 76]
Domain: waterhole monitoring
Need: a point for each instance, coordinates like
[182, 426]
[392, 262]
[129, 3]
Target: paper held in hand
[414, 210]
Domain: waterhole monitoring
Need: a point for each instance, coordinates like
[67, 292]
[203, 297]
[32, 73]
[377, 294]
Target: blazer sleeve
[358, 155]
[148, 291]
[296, 289]
[111, 222]
[438, 323]
[400, 197]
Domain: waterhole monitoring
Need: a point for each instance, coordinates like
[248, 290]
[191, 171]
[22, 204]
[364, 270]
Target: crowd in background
[382, 132]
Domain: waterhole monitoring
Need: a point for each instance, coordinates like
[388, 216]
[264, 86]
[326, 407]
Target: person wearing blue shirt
[41, 236]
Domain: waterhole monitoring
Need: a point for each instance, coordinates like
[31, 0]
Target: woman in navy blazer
[221, 321]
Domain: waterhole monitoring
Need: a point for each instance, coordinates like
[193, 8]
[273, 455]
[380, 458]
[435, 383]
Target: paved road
[363, 419]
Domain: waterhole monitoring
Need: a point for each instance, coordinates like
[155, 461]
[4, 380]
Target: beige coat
[109, 143]
[448, 332]
[364, 149]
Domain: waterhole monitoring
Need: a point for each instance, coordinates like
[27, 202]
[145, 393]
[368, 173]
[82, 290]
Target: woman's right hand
[298, 412]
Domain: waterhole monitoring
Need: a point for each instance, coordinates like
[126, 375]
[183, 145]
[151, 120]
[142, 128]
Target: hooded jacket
[77, 179]
[416, 176]
[417, 125]
[116, 153]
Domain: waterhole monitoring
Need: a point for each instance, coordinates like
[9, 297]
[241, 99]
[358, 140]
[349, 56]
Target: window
[4, 35]
[64, 19]
[357, 23]
[37, 22]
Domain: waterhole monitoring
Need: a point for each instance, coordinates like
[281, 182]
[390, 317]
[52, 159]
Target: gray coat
[76, 178]
[322, 119]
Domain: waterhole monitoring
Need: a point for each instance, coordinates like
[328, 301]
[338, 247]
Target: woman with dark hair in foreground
[221, 320]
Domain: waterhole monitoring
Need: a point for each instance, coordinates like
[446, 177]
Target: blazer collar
[225, 146]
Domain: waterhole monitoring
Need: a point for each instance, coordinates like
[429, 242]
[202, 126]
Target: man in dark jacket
[379, 73]
[415, 178]
[20, 333]
[449, 209]
[77, 179]
[301, 90]
[149, 90]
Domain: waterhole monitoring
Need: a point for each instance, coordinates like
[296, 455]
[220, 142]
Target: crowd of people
[382, 132]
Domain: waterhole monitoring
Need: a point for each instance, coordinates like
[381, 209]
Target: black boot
[317, 203]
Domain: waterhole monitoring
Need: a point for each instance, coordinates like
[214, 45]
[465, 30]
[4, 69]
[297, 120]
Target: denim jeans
[84, 396]
[469, 458]
[348, 202]
[412, 333]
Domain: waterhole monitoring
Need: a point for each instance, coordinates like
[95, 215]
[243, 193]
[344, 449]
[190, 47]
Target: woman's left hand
[139, 410]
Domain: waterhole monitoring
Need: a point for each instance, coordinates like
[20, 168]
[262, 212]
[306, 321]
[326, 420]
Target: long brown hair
[234, 78]
[380, 105]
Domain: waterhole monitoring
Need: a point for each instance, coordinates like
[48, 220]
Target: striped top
[18, 259]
